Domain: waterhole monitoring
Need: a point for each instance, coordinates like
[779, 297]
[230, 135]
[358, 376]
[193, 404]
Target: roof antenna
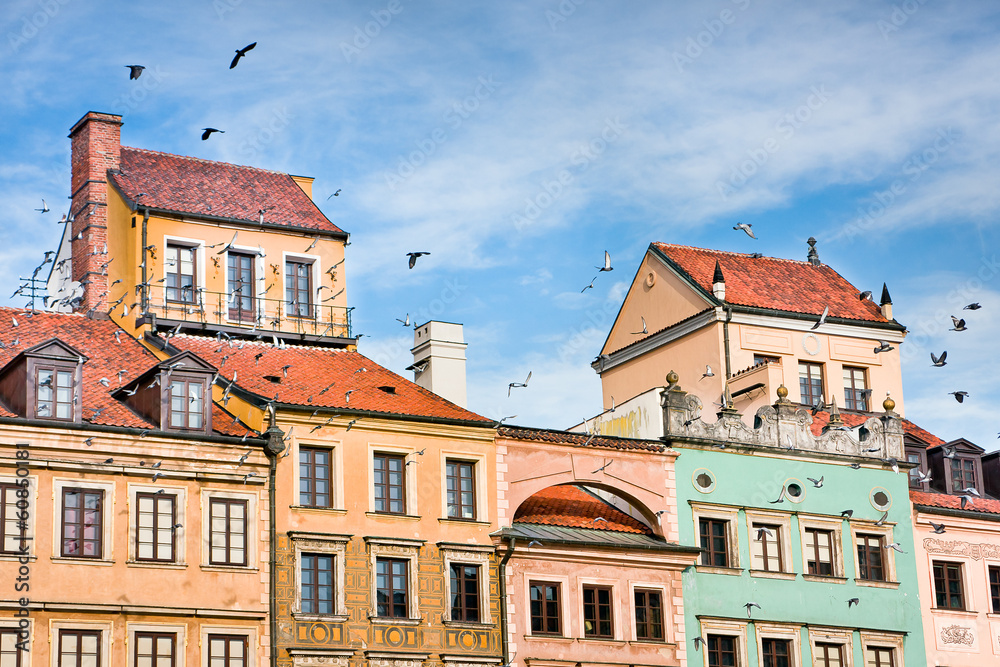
[813, 255]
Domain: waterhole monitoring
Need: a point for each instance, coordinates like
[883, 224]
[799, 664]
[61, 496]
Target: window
[10, 655]
[391, 587]
[180, 267]
[314, 477]
[948, 585]
[648, 615]
[228, 532]
[765, 548]
[298, 288]
[819, 552]
[963, 474]
[317, 583]
[854, 388]
[776, 652]
[79, 648]
[880, 656]
[995, 588]
[14, 530]
[82, 523]
[187, 404]
[155, 519]
[722, 651]
[870, 565]
[545, 616]
[810, 382]
[227, 651]
[240, 286]
[155, 649]
[55, 389]
[597, 619]
[390, 484]
[461, 485]
[765, 358]
[465, 592]
[914, 457]
[828, 655]
[714, 541]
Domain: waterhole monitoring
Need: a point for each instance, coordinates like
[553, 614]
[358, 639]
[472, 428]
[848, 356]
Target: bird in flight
[745, 226]
[413, 257]
[601, 469]
[938, 527]
[959, 324]
[208, 132]
[781, 499]
[972, 306]
[708, 372]
[847, 514]
[818, 483]
[240, 53]
[949, 452]
[881, 521]
[135, 71]
[867, 294]
[698, 640]
[762, 531]
[960, 396]
[514, 385]
[644, 329]
[405, 322]
[853, 601]
[883, 346]
[590, 286]
[822, 318]
[966, 500]
[750, 605]
[335, 194]
[939, 361]
[44, 208]
[607, 263]
[895, 547]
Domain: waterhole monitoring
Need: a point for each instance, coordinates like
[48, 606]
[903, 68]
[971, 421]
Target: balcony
[251, 317]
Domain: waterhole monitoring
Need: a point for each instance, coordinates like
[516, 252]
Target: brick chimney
[96, 147]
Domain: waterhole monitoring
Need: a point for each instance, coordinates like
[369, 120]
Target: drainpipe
[503, 601]
[274, 445]
[725, 338]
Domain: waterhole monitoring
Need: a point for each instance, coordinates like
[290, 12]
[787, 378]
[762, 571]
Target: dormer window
[44, 382]
[963, 474]
[174, 394]
[187, 404]
[55, 391]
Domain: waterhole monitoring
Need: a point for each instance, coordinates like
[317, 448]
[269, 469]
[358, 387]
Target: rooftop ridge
[205, 160]
[733, 253]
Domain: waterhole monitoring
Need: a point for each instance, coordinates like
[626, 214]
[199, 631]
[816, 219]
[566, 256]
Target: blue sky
[869, 125]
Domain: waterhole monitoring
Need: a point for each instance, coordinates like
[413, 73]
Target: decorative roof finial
[813, 255]
[835, 419]
[718, 277]
[885, 296]
[727, 397]
[888, 404]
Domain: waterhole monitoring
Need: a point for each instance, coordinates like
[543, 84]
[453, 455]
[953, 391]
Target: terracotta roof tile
[106, 356]
[570, 438]
[984, 505]
[926, 437]
[572, 507]
[778, 284]
[821, 419]
[321, 377]
[218, 189]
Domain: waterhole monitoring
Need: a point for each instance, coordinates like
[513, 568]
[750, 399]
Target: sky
[518, 141]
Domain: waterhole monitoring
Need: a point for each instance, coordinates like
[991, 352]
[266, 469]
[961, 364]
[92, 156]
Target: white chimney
[439, 360]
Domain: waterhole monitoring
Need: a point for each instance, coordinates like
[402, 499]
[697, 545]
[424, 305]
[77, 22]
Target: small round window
[703, 480]
[794, 490]
[880, 499]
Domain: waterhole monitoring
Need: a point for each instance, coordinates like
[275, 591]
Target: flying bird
[405, 322]
[895, 547]
[971, 491]
[881, 521]
[939, 361]
[959, 324]
[745, 226]
[750, 605]
[781, 498]
[867, 294]
[853, 601]
[960, 396]
[514, 385]
[590, 286]
[818, 483]
[44, 208]
[607, 263]
[135, 71]
[822, 318]
[966, 500]
[949, 452]
[335, 194]
[847, 513]
[972, 306]
[644, 329]
[208, 132]
[708, 372]
[534, 542]
[697, 641]
[921, 477]
[883, 346]
[938, 528]
[601, 469]
[312, 245]
[892, 463]
[413, 257]
[240, 53]
[762, 531]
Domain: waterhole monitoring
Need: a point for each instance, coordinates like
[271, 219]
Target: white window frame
[199, 257]
[180, 641]
[565, 618]
[107, 518]
[409, 477]
[13, 624]
[180, 542]
[889, 555]
[661, 588]
[883, 640]
[481, 489]
[328, 545]
[336, 480]
[821, 635]
[253, 536]
[403, 549]
[249, 632]
[731, 514]
[836, 527]
[56, 625]
[782, 631]
[468, 554]
[616, 607]
[32, 498]
[736, 629]
[784, 522]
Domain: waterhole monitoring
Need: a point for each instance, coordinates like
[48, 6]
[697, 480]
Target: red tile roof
[573, 507]
[217, 189]
[321, 377]
[580, 439]
[914, 431]
[984, 505]
[105, 357]
[769, 282]
[854, 419]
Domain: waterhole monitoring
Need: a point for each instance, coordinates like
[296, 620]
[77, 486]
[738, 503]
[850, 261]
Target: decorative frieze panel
[960, 548]
[955, 634]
